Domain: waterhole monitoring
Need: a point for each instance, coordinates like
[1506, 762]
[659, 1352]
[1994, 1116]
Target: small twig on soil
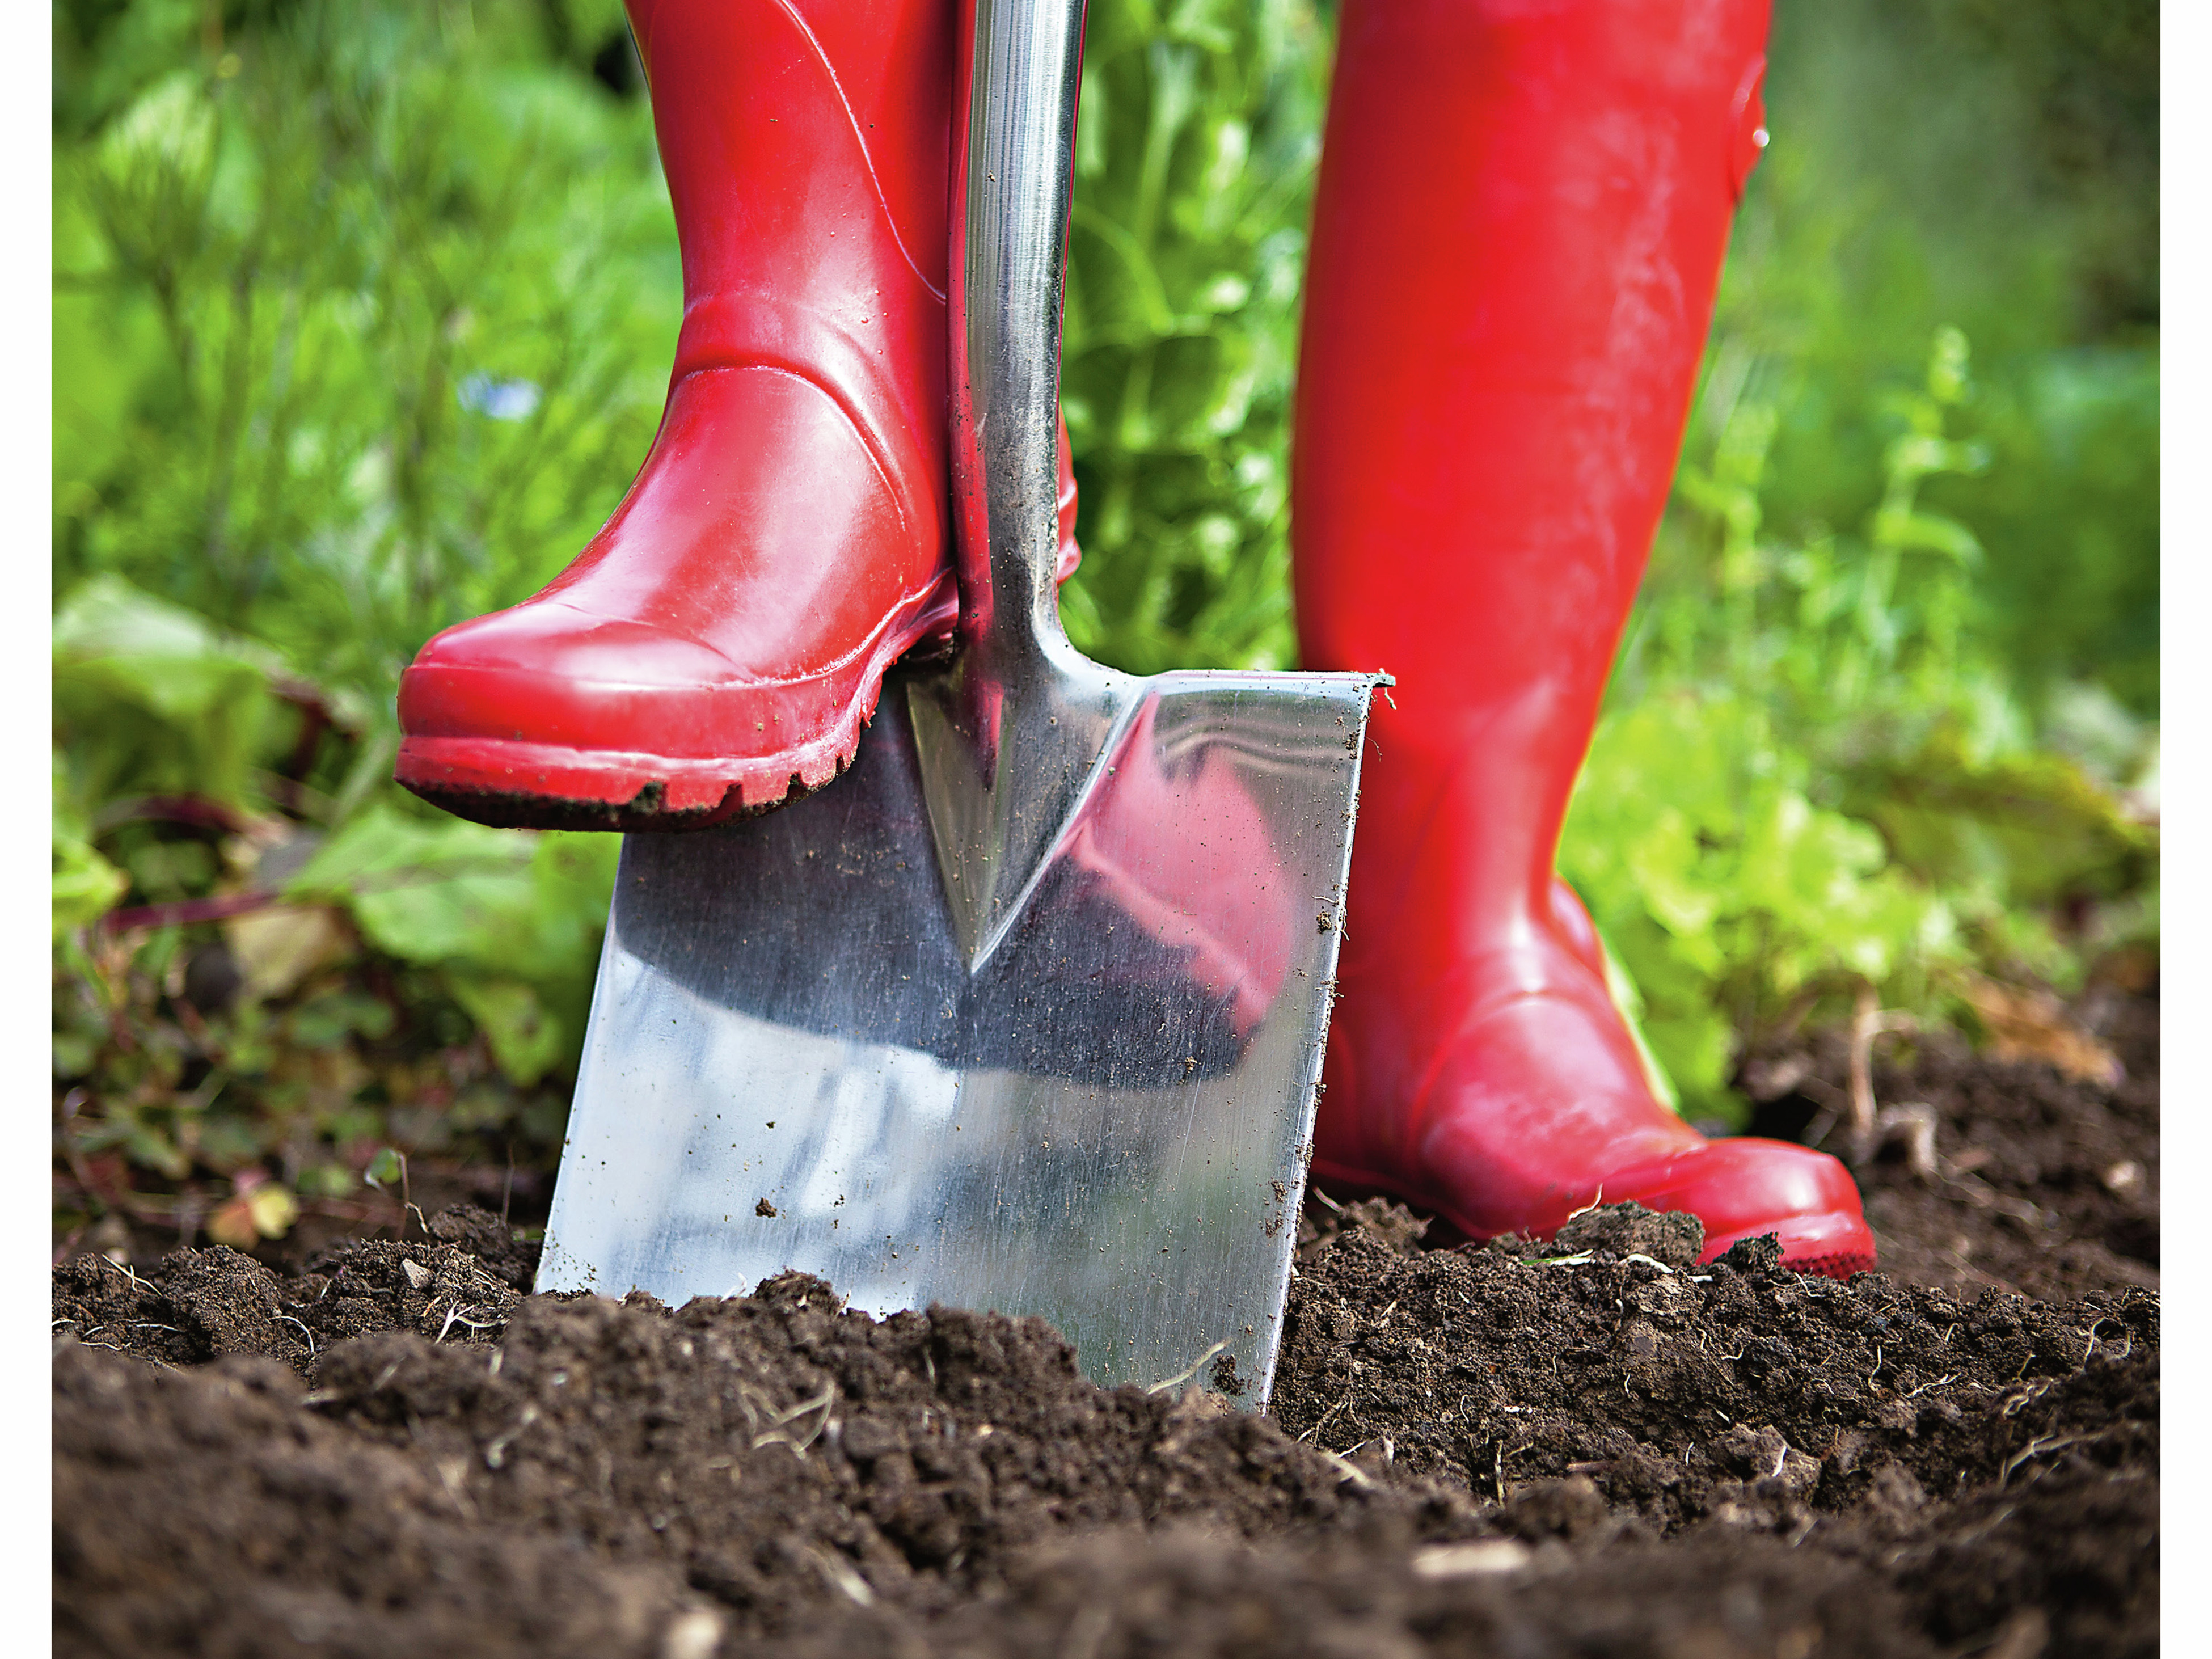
[1345, 1469]
[2027, 1397]
[495, 1453]
[840, 1574]
[828, 1393]
[449, 1473]
[1869, 1021]
[454, 1317]
[823, 1402]
[1323, 1418]
[124, 1267]
[1914, 1123]
[2037, 1448]
[2127, 1346]
[1185, 1374]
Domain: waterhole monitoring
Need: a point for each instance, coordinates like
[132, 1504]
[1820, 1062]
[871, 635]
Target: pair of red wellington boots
[1521, 218]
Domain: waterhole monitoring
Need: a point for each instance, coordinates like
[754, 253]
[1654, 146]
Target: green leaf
[527, 1040]
[86, 886]
[1930, 531]
[1724, 889]
[150, 698]
[430, 892]
[496, 907]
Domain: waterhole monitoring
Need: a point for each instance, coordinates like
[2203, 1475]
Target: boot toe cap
[547, 672]
[522, 651]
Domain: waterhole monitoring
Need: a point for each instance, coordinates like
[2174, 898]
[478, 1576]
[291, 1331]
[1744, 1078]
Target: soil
[2045, 1185]
[1588, 1446]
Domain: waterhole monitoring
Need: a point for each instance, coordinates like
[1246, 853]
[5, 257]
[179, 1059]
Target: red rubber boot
[720, 642]
[1521, 218]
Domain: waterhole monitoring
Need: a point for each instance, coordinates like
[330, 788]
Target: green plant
[1196, 143]
[363, 316]
[291, 985]
[360, 318]
[1811, 774]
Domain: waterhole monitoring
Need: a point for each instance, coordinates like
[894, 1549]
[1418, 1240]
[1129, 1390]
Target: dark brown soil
[2045, 1185]
[1590, 1448]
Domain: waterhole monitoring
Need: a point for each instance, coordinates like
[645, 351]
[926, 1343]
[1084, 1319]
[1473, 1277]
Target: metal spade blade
[1026, 1011]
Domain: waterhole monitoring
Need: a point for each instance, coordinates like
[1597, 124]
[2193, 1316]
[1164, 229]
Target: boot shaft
[1521, 217]
[805, 141]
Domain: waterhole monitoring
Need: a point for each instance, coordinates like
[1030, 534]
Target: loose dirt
[1591, 1447]
[2046, 1185]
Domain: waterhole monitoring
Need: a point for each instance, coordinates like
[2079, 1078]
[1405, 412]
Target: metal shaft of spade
[1025, 1011]
[1031, 713]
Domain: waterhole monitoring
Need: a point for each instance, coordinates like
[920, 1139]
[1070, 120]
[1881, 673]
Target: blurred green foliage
[1907, 593]
[362, 316]
[1196, 148]
[361, 320]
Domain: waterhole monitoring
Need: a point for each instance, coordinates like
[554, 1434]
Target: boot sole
[512, 783]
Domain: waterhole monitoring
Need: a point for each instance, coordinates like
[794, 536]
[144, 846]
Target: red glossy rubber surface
[1521, 218]
[1221, 904]
[785, 540]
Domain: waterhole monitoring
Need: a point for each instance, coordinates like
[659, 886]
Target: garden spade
[1025, 1011]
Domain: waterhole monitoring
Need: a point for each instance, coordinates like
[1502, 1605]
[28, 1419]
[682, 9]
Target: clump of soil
[458, 1284]
[726, 1468]
[1683, 1392]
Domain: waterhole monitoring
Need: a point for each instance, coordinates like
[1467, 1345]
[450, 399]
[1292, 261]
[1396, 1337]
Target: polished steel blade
[794, 1062]
[1025, 1011]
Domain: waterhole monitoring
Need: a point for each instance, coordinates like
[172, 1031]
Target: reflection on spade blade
[1104, 1121]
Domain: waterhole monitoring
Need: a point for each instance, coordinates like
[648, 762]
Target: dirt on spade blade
[1592, 1447]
